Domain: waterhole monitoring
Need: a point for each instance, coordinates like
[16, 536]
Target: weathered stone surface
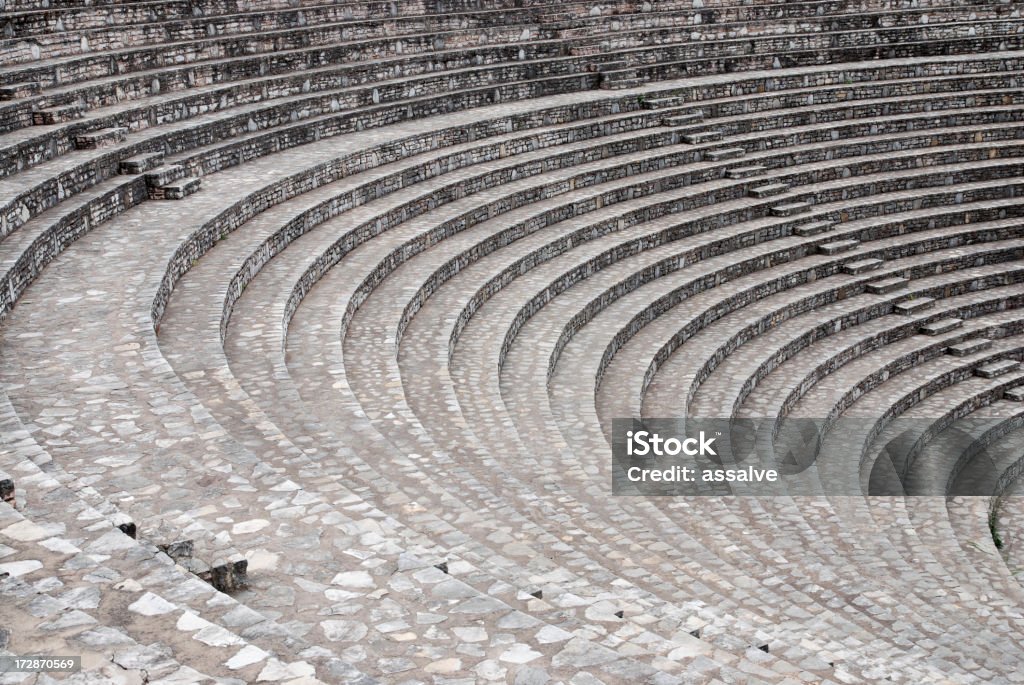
[342, 416]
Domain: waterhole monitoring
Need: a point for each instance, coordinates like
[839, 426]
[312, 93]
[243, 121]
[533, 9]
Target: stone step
[996, 369]
[725, 153]
[812, 229]
[702, 137]
[141, 163]
[105, 137]
[1014, 394]
[663, 102]
[13, 91]
[614, 65]
[941, 326]
[969, 347]
[914, 305]
[683, 119]
[862, 265]
[887, 285]
[791, 209]
[57, 115]
[177, 190]
[838, 246]
[746, 171]
[768, 190]
[161, 176]
[621, 84]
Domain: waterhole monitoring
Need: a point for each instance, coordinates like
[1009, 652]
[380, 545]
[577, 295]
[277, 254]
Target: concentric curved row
[364, 387]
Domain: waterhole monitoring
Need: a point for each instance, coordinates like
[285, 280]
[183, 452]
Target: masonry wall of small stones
[923, 201]
[380, 155]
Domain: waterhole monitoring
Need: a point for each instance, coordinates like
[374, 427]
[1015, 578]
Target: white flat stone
[519, 653]
[20, 568]
[25, 531]
[215, 636]
[344, 631]
[190, 622]
[246, 656]
[444, 666]
[549, 634]
[246, 527]
[470, 634]
[151, 605]
[354, 579]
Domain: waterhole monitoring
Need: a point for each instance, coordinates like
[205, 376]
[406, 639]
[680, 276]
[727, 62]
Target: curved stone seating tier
[547, 435]
[582, 376]
[165, 239]
[901, 200]
[78, 177]
[341, 415]
[248, 108]
[809, 33]
[996, 116]
[55, 42]
[217, 18]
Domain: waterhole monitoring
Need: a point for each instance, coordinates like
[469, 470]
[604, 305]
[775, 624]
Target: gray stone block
[912, 306]
[861, 266]
[969, 347]
[941, 326]
[768, 190]
[791, 209]
[996, 369]
[702, 137]
[838, 246]
[887, 285]
[741, 172]
[812, 229]
[724, 153]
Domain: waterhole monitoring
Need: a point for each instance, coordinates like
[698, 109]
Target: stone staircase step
[791, 209]
[996, 369]
[163, 175]
[683, 119]
[862, 265]
[768, 190]
[57, 115]
[941, 326]
[1014, 394]
[887, 285]
[702, 137]
[969, 347]
[663, 102]
[106, 137]
[177, 190]
[613, 65]
[741, 172]
[838, 246]
[723, 154]
[13, 91]
[141, 163]
[914, 305]
[812, 229]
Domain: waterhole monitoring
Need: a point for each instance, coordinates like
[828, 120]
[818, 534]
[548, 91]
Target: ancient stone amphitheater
[316, 316]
